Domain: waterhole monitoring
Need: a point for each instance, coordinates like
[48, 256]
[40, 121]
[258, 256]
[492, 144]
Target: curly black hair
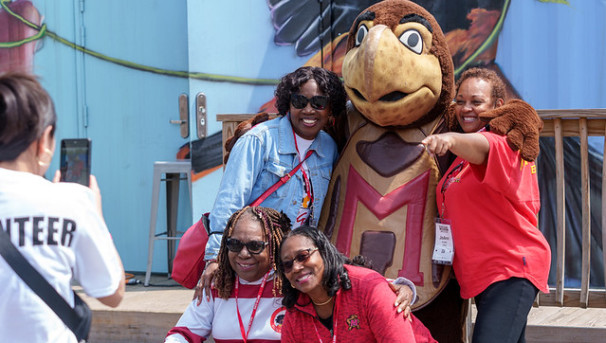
[329, 83]
[335, 275]
[488, 75]
[274, 224]
[498, 91]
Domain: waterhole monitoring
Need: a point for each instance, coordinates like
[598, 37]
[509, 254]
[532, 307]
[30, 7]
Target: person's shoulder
[326, 143]
[494, 137]
[265, 127]
[326, 138]
[73, 197]
[362, 274]
[498, 143]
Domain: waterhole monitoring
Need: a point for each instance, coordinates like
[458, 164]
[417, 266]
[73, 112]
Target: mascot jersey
[219, 317]
[57, 229]
[493, 210]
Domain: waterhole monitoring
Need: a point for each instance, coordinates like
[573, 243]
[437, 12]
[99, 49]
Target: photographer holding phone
[57, 227]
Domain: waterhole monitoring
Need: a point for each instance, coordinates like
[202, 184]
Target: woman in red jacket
[328, 299]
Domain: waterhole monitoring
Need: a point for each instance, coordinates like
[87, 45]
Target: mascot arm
[522, 125]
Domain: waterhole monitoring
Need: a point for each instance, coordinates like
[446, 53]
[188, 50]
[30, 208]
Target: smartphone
[75, 160]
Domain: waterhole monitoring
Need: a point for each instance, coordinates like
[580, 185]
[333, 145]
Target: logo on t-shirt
[353, 322]
[277, 319]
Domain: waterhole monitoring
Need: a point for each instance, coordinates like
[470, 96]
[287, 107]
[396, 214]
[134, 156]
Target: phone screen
[75, 160]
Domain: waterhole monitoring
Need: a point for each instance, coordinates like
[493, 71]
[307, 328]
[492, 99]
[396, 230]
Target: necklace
[322, 303]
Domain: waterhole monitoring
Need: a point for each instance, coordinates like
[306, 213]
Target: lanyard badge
[443, 249]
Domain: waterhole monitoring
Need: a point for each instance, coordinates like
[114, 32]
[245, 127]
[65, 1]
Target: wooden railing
[558, 124]
[575, 123]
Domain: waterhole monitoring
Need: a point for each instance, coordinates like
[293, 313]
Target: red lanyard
[308, 188]
[450, 178]
[254, 311]
[334, 322]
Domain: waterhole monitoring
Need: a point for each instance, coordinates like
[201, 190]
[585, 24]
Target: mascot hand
[521, 123]
[241, 129]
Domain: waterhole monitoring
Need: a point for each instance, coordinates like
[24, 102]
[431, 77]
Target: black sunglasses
[318, 102]
[253, 247]
[301, 257]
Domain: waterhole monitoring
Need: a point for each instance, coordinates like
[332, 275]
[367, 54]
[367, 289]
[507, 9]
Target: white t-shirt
[302, 147]
[219, 317]
[57, 229]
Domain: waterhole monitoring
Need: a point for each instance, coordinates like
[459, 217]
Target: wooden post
[561, 213]
[586, 213]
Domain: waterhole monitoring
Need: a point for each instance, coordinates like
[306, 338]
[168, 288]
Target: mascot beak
[390, 83]
[368, 53]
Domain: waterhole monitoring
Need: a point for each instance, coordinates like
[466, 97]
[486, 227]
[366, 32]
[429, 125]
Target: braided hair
[275, 226]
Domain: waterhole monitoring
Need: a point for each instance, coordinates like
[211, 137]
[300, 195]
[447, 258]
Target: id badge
[443, 250]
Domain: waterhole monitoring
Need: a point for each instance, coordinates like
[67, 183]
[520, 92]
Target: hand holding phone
[75, 160]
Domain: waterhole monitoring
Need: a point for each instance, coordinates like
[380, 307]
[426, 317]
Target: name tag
[443, 250]
[301, 217]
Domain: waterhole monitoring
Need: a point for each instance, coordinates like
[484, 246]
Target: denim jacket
[257, 161]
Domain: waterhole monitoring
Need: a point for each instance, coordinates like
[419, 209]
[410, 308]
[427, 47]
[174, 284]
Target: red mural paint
[13, 30]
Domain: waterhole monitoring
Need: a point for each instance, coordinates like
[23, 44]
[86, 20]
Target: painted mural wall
[116, 69]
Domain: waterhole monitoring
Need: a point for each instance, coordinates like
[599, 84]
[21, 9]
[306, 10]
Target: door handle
[183, 121]
[201, 115]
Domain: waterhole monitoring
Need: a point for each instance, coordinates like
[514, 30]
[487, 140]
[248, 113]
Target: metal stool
[173, 171]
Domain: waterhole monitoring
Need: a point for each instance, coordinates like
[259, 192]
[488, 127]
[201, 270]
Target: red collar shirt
[493, 211]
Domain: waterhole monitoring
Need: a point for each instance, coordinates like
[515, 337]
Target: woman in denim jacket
[306, 100]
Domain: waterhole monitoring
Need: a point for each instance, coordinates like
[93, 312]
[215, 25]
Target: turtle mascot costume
[399, 77]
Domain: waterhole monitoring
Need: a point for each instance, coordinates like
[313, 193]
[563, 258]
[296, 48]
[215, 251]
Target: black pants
[503, 310]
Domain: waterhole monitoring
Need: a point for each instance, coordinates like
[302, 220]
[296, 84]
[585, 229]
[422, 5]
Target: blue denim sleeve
[241, 172]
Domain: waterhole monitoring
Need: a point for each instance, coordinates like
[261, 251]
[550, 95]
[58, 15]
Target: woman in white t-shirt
[57, 227]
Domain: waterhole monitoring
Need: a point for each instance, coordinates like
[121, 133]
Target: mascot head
[398, 70]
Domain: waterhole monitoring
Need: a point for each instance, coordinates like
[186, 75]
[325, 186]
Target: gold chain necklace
[322, 303]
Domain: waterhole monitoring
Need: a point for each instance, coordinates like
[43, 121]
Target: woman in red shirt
[488, 203]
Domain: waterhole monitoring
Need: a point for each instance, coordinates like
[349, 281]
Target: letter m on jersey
[413, 194]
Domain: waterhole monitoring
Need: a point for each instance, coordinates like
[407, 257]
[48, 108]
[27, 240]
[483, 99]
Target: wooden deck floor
[147, 313]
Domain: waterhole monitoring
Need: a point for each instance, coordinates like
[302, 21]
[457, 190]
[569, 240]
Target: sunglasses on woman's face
[253, 247]
[318, 102]
[301, 257]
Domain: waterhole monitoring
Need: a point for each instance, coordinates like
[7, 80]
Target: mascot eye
[362, 32]
[412, 40]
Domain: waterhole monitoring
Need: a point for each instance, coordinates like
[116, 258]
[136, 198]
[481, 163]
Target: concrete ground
[147, 313]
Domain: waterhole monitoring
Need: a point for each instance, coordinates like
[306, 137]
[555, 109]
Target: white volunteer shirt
[56, 227]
